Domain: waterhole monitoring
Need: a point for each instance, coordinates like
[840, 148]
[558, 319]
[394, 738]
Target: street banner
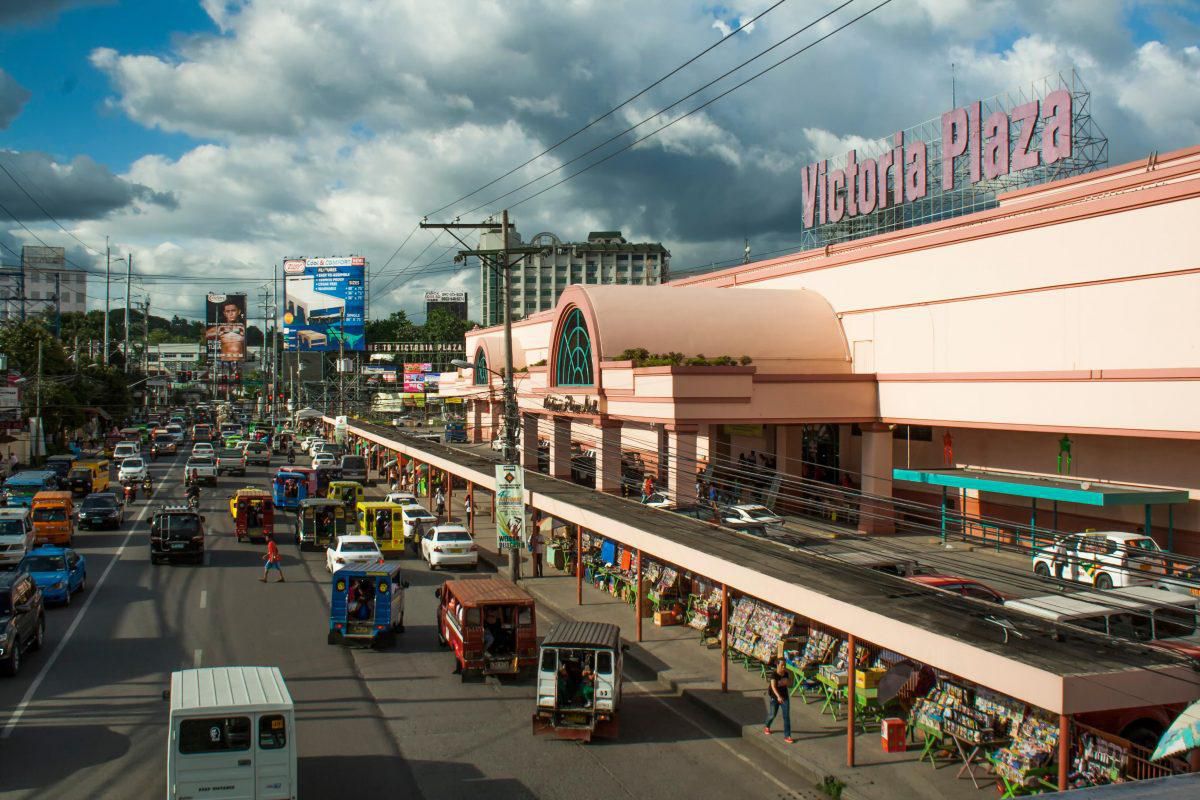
[510, 506]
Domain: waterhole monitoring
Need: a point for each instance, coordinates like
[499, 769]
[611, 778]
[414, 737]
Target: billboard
[453, 302]
[324, 303]
[225, 319]
[510, 506]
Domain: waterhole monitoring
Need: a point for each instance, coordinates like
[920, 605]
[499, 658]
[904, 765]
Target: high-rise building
[43, 273]
[539, 278]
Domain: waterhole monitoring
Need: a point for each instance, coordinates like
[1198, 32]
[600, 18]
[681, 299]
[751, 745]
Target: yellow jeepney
[348, 493]
[384, 522]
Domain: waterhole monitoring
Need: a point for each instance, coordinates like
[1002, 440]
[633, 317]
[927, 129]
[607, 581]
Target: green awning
[1040, 487]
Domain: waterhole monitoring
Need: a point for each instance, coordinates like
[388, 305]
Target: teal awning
[1040, 487]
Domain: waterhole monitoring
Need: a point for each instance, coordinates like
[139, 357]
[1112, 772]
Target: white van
[232, 735]
[16, 535]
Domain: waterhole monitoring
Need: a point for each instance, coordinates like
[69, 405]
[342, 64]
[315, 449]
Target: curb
[811, 773]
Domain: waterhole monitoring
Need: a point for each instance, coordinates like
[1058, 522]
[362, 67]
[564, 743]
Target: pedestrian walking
[536, 546]
[647, 487]
[439, 503]
[468, 510]
[272, 560]
[779, 697]
[12, 462]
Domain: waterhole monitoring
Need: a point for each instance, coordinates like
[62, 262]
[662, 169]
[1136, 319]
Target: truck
[231, 460]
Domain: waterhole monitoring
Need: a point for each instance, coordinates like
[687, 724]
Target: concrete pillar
[608, 457]
[876, 512]
[664, 449]
[529, 442]
[475, 421]
[560, 447]
[681, 479]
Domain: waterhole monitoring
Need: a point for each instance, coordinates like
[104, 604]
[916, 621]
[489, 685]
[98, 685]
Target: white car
[16, 535]
[323, 460]
[402, 499]
[1105, 559]
[751, 515]
[414, 514]
[658, 500]
[306, 444]
[450, 546]
[176, 432]
[132, 469]
[204, 449]
[126, 450]
[352, 550]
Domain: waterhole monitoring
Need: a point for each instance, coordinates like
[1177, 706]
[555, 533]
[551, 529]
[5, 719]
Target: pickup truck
[232, 461]
[205, 468]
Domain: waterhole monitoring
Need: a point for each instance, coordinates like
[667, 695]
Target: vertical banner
[510, 506]
[226, 326]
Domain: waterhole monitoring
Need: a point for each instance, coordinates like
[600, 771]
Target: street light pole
[107, 282]
[510, 393]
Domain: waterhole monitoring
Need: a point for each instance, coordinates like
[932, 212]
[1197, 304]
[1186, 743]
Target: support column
[475, 426]
[560, 448]
[1064, 751]
[529, 442]
[876, 512]
[471, 504]
[608, 457]
[578, 565]
[682, 468]
[724, 637]
[664, 454]
[637, 611]
[851, 699]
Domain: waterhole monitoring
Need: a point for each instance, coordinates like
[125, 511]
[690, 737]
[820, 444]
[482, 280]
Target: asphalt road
[86, 719]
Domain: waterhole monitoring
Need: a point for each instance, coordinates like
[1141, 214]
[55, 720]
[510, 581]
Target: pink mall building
[1056, 334]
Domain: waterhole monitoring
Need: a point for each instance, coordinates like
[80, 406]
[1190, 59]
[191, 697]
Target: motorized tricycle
[318, 521]
[367, 605]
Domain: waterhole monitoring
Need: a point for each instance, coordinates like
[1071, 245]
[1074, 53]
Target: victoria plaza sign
[1002, 144]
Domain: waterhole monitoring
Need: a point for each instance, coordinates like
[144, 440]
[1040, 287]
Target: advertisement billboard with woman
[226, 326]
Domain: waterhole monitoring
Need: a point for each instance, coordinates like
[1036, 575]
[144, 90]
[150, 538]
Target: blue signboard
[324, 302]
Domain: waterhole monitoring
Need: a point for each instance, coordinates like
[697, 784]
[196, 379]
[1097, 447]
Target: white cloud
[1162, 90]
[547, 106]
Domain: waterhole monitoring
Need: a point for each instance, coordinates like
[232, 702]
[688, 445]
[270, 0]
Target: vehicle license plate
[177, 545]
[456, 550]
[361, 629]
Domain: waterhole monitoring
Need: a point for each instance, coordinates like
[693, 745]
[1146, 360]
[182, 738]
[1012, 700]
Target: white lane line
[19, 711]
[196, 658]
[204, 598]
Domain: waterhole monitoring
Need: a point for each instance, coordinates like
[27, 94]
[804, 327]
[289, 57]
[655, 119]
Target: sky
[209, 139]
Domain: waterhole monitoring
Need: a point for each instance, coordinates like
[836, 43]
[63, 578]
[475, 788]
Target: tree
[397, 327]
[442, 326]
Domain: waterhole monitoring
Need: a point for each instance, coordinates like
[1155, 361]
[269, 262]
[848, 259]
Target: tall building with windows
[540, 278]
[43, 274]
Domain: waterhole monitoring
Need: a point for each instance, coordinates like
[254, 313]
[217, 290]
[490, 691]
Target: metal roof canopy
[253, 688]
[584, 634]
[1042, 487]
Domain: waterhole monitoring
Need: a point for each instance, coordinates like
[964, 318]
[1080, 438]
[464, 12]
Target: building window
[574, 363]
[481, 368]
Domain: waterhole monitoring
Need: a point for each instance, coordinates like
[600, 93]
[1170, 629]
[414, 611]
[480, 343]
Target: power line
[741, 27]
[42, 208]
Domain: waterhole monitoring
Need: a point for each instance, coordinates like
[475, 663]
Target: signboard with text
[324, 303]
[510, 506]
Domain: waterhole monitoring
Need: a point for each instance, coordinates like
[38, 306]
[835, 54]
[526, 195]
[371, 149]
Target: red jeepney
[490, 624]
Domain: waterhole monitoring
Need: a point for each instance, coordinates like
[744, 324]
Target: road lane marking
[204, 598]
[19, 711]
[196, 658]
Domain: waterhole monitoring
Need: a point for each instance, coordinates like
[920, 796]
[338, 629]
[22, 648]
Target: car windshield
[1143, 544]
[178, 524]
[98, 503]
[418, 513]
[353, 462]
[359, 547]
[50, 514]
[229, 452]
[453, 536]
[45, 563]
[132, 463]
[200, 461]
[757, 512]
[80, 473]
[11, 527]
[160, 439]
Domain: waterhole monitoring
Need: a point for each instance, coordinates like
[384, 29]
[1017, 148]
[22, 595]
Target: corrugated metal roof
[213, 687]
[584, 634]
[488, 590]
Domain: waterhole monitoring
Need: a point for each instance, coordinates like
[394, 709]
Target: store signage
[445, 297]
[510, 506]
[295, 266]
[568, 403]
[416, 347]
[1000, 145]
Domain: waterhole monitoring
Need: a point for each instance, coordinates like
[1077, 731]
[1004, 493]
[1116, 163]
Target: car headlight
[3, 637]
[58, 585]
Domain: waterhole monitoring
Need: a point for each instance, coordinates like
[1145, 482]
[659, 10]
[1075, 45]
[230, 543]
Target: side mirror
[202, 519]
[24, 608]
[437, 593]
[624, 648]
[166, 694]
[403, 584]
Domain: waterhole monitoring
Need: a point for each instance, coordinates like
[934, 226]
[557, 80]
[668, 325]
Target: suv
[354, 468]
[22, 619]
[231, 460]
[258, 453]
[101, 510]
[126, 450]
[176, 532]
[16, 535]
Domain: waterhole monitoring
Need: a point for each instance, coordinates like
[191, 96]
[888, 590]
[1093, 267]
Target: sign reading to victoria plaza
[996, 146]
[510, 506]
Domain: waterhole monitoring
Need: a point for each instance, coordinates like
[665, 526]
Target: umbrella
[1183, 735]
[894, 679]
[309, 413]
[389, 464]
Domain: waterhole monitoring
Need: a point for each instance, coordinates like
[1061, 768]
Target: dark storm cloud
[23, 11]
[13, 97]
[80, 190]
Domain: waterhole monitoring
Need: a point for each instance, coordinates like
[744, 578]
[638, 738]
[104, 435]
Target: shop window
[214, 735]
[481, 368]
[272, 732]
[574, 357]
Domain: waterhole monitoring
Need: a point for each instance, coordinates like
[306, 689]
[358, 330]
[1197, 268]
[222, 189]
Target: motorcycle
[147, 485]
[291, 459]
[130, 493]
[193, 502]
[154, 454]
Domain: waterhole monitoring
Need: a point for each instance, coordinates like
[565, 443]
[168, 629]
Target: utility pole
[146, 351]
[107, 282]
[41, 429]
[500, 259]
[58, 305]
[128, 294]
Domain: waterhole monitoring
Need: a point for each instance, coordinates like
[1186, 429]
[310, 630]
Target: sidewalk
[687, 668]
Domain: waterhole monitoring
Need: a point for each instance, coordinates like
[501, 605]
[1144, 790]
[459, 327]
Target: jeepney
[318, 521]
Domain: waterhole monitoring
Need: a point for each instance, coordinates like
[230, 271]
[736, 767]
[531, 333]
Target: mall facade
[1053, 334]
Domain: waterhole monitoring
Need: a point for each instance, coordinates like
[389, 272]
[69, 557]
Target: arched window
[481, 368]
[574, 359]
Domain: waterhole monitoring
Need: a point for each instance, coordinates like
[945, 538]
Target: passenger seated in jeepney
[362, 596]
[290, 489]
[325, 523]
